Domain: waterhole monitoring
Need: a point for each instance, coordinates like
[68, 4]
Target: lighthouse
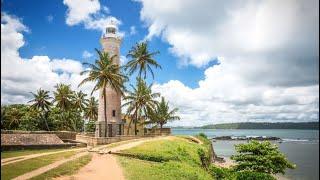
[110, 42]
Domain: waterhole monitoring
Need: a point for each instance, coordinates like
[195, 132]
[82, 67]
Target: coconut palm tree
[79, 101]
[104, 73]
[141, 60]
[41, 101]
[63, 96]
[161, 114]
[138, 101]
[91, 110]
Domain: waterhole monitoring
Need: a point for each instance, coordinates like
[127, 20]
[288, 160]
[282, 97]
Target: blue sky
[58, 40]
[268, 53]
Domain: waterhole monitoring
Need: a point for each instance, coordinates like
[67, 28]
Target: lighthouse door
[109, 130]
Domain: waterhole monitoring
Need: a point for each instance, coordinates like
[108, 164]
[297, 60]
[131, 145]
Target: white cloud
[50, 18]
[86, 54]
[90, 14]
[268, 54]
[123, 60]
[80, 10]
[133, 30]
[21, 76]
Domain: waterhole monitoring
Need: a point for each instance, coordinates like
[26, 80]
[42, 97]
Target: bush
[249, 175]
[204, 158]
[261, 157]
[220, 173]
[203, 135]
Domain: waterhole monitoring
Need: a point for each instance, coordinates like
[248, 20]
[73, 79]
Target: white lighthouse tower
[110, 42]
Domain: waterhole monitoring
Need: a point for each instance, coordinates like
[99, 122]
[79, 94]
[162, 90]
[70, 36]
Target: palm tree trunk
[135, 122]
[161, 129]
[129, 126]
[45, 121]
[105, 111]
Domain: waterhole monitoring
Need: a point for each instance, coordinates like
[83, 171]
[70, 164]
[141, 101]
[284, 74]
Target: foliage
[161, 114]
[104, 73]
[67, 113]
[220, 173]
[204, 158]
[261, 157]
[141, 60]
[203, 135]
[139, 100]
[90, 126]
[250, 175]
[91, 111]
[265, 125]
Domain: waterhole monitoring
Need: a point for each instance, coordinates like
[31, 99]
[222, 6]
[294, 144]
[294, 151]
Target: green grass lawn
[67, 168]
[16, 169]
[16, 153]
[164, 159]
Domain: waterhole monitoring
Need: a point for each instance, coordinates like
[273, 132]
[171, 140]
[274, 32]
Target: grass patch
[177, 149]
[67, 168]
[164, 159]
[135, 169]
[16, 169]
[17, 153]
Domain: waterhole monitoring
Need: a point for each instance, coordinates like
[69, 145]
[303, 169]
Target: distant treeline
[252, 125]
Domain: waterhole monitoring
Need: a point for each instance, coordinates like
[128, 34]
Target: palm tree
[141, 60]
[104, 73]
[63, 96]
[139, 101]
[41, 102]
[80, 101]
[91, 110]
[161, 114]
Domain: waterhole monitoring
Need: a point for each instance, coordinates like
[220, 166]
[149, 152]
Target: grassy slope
[176, 159]
[15, 169]
[16, 153]
[66, 168]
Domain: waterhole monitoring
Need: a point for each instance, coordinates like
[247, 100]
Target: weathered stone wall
[93, 141]
[61, 134]
[158, 131]
[29, 139]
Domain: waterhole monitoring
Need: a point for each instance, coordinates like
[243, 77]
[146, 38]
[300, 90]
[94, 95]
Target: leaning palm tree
[105, 73]
[41, 101]
[138, 101]
[91, 110]
[141, 60]
[161, 114]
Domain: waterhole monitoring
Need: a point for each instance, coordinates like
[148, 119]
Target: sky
[222, 61]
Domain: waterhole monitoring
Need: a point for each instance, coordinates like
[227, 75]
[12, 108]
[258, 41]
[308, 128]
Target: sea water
[300, 146]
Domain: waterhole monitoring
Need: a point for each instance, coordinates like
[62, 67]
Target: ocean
[300, 146]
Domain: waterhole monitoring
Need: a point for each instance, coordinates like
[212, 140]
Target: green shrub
[203, 135]
[261, 157]
[220, 173]
[204, 158]
[250, 175]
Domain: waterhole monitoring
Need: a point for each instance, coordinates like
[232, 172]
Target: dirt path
[100, 167]
[48, 167]
[22, 158]
[105, 166]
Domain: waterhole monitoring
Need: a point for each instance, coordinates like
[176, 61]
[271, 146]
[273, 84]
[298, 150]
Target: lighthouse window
[114, 113]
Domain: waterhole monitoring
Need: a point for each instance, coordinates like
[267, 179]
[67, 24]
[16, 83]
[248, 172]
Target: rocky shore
[259, 138]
